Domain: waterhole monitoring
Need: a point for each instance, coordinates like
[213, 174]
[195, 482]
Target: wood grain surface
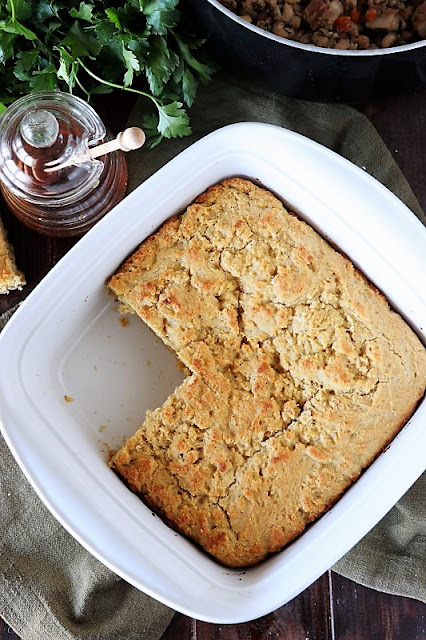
[333, 608]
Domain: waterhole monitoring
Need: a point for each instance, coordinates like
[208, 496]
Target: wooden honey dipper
[127, 140]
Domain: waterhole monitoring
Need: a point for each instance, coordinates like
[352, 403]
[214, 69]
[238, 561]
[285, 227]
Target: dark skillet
[306, 71]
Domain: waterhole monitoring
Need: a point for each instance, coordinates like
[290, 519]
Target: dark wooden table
[333, 608]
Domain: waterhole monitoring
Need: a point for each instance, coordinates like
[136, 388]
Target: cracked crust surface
[10, 277]
[301, 373]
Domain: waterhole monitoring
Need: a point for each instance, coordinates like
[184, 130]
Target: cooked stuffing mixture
[337, 24]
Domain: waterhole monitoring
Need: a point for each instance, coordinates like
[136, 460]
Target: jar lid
[46, 126]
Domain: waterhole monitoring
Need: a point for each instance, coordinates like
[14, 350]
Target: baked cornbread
[300, 373]
[10, 277]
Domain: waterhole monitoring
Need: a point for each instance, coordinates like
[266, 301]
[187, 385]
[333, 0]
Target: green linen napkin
[50, 586]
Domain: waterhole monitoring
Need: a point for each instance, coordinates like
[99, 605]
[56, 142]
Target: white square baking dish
[78, 379]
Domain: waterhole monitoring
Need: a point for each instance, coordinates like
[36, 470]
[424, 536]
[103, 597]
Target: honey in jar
[53, 127]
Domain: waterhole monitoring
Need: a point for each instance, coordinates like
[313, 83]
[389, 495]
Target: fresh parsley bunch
[97, 46]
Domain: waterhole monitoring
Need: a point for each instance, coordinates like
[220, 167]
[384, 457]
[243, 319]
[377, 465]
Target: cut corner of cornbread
[301, 373]
[10, 276]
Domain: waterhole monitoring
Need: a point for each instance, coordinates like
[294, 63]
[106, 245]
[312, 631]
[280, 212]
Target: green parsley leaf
[23, 10]
[7, 41]
[132, 65]
[27, 61]
[113, 17]
[43, 12]
[161, 14]
[15, 27]
[104, 31]
[44, 80]
[79, 43]
[150, 124]
[84, 12]
[203, 70]
[189, 87]
[67, 70]
[173, 121]
[160, 64]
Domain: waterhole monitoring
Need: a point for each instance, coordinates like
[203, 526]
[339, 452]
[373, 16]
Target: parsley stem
[118, 86]
[13, 10]
[81, 86]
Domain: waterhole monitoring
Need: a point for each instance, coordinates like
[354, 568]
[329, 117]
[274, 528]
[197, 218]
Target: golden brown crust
[301, 373]
[10, 277]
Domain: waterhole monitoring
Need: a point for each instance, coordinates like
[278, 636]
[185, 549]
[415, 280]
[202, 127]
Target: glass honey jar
[52, 127]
